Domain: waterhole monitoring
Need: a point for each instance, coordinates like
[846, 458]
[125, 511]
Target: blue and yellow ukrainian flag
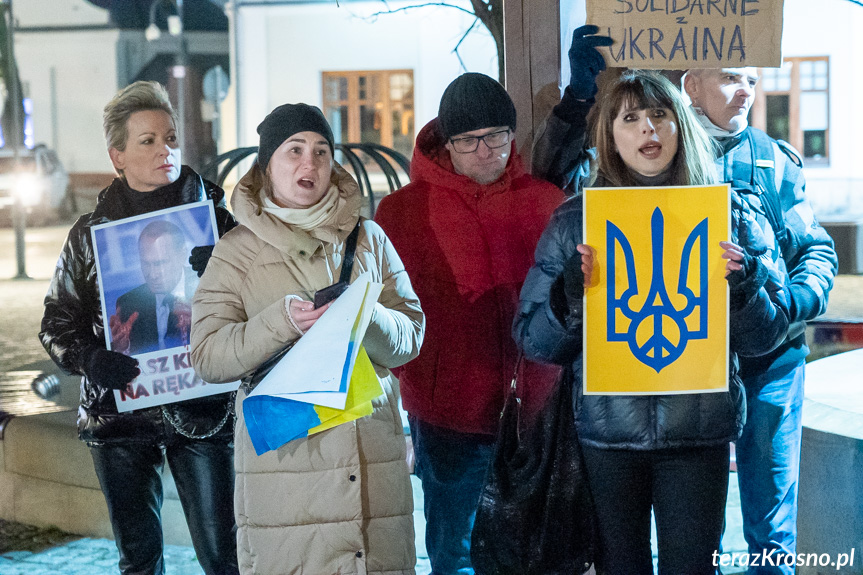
[273, 421]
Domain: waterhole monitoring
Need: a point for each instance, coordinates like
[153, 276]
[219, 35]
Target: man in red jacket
[466, 228]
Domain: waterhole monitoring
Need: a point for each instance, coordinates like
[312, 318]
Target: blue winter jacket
[752, 162]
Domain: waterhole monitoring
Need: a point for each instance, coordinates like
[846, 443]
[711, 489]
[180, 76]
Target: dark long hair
[693, 164]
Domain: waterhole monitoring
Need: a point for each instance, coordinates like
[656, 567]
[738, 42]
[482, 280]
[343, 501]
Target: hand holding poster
[146, 300]
[318, 367]
[656, 321]
[684, 34]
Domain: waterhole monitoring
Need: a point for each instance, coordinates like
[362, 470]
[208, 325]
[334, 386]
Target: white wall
[573, 13]
[86, 79]
[834, 30]
[85, 68]
[57, 13]
[284, 49]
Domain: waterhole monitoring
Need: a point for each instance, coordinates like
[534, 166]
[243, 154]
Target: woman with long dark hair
[665, 453]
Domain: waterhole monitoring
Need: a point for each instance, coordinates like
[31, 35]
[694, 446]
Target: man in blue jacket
[768, 175]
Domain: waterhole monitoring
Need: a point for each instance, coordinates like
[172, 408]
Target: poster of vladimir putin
[146, 286]
[147, 282]
[156, 314]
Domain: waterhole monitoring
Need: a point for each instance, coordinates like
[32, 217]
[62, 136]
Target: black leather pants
[203, 471]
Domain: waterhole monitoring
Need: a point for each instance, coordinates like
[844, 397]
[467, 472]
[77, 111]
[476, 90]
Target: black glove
[746, 282]
[745, 230]
[199, 258]
[567, 291]
[573, 280]
[585, 61]
[109, 369]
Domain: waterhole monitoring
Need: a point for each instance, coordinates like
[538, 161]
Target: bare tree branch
[489, 12]
[455, 50]
[425, 5]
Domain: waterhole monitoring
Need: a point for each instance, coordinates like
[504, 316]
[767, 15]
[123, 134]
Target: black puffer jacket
[72, 322]
[656, 421]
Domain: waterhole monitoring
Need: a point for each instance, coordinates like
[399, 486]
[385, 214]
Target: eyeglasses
[470, 144]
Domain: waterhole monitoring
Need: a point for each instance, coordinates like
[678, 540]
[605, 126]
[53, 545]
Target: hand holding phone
[329, 293]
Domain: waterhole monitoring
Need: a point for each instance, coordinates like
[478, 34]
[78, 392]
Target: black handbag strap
[254, 378]
[513, 387]
[350, 248]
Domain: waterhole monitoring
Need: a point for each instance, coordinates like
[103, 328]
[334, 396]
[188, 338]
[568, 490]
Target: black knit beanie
[284, 122]
[473, 102]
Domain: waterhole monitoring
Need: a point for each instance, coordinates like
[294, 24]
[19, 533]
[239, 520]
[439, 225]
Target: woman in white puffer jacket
[339, 501]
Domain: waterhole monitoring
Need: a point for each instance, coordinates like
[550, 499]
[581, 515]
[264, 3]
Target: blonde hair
[135, 97]
[693, 164]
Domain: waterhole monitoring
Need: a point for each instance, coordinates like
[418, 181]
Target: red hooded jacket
[467, 248]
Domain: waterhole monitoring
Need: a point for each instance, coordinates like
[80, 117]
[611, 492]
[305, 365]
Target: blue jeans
[451, 467]
[768, 464]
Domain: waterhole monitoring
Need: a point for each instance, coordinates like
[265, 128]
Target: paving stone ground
[82, 556]
[28, 539]
[27, 550]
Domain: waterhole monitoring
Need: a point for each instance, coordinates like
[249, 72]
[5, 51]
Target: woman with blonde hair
[338, 501]
[663, 453]
[129, 449]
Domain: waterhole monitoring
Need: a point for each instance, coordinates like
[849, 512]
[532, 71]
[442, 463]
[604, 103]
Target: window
[371, 107]
[793, 104]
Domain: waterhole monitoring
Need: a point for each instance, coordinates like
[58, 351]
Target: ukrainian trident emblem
[658, 332]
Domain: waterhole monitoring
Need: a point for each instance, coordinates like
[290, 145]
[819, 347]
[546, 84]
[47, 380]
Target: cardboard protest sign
[684, 34]
[656, 319]
[324, 380]
[145, 288]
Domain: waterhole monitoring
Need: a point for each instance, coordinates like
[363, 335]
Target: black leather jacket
[72, 322]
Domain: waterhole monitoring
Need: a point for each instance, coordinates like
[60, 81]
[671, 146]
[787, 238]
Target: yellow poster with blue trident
[656, 314]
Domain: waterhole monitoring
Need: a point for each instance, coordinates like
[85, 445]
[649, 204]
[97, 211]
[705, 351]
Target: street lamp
[28, 189]
[19, 212]
[175, 28]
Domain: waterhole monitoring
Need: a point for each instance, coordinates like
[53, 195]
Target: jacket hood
[431, 162]
[248, 209]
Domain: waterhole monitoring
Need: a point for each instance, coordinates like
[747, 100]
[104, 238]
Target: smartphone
[329, 293]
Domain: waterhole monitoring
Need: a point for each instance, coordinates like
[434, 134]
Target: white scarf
[711, 128]
[305, 218]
